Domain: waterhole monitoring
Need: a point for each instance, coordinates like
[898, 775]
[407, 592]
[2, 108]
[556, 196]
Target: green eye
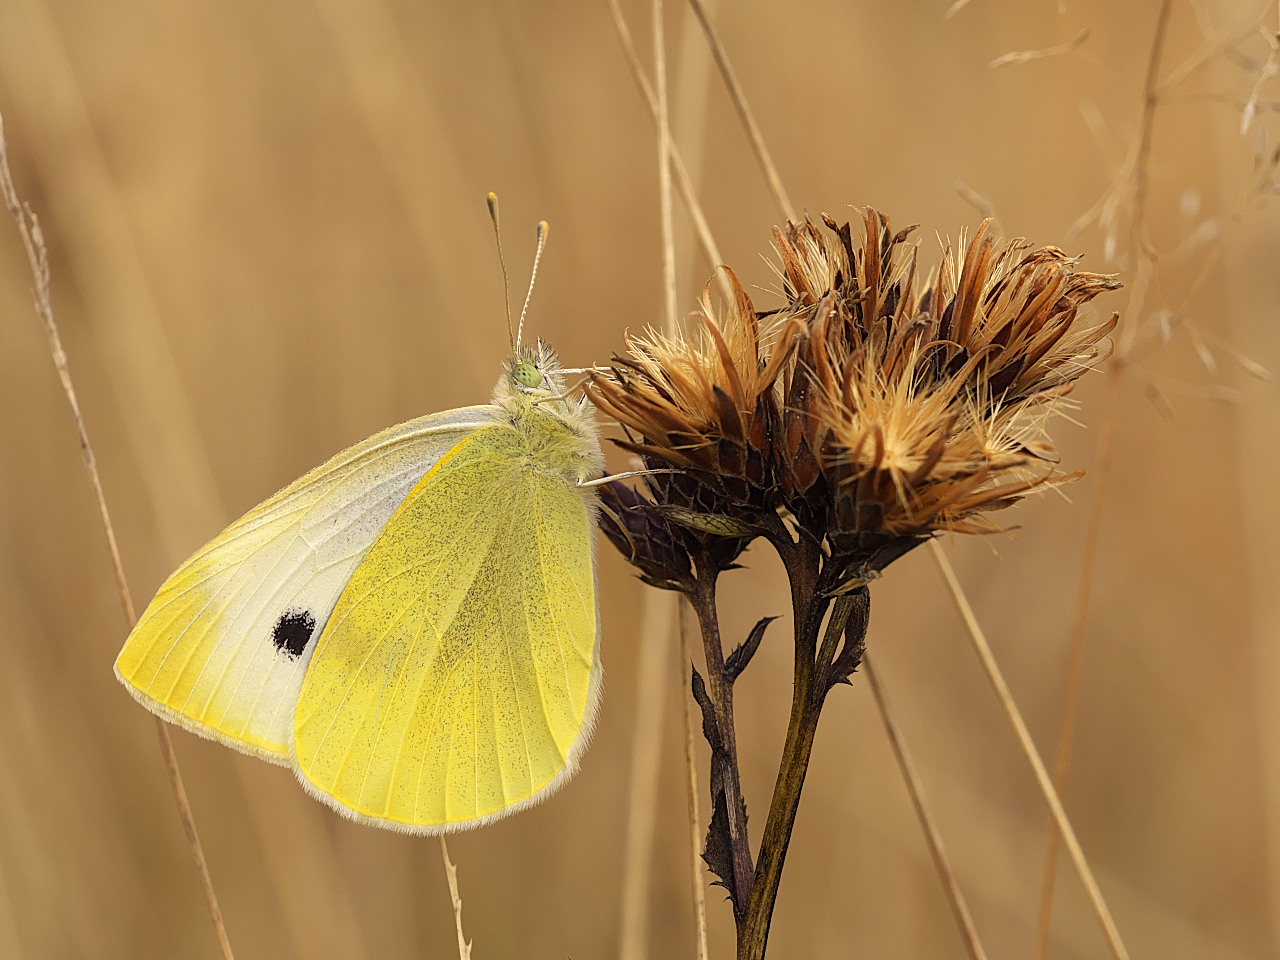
[526, 373]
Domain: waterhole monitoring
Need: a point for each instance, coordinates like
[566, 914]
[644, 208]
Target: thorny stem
[814, 674]
[720, 688]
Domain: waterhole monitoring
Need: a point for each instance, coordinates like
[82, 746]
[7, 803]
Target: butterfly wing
[223, 647]
[457, 679]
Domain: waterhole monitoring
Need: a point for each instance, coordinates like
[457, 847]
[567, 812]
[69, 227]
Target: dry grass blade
[1137, 176]
[1075, 656]
[996, 678]
[744, 112]
[464, 945]
[691, 782]
[659, 611]
[976, 200]
[38, 259]
[1025, 56]
[655, 649]
[683, 181]
[959, 908]
[1269, 69]
[380, 71]
[1132, 175]
[664, 172]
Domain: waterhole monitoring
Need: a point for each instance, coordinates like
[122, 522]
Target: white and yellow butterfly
[413, 625]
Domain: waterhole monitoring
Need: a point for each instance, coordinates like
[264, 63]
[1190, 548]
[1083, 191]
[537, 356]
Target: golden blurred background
[268, 239]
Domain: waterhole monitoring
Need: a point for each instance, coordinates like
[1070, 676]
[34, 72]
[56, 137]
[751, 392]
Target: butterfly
[412, 626]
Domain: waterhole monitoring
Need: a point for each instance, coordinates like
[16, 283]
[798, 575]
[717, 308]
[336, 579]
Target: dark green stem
[812, 679]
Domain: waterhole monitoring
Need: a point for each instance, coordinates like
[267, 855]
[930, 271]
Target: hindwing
[458, 676]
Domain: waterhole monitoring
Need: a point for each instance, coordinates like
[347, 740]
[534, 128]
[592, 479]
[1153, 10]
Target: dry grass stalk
[928, 826]
[1134, 177]
[38, 259]
[691, 784]
[464, 945]
[1003, 694]
[1026, 56]
[1127, 193]
[745, 115]
[658, 620]
[683, 180]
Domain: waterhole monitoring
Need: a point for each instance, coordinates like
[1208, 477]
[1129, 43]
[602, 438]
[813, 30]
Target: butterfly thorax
[559, 433]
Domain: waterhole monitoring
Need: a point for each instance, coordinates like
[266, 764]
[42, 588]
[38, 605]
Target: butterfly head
[533, 374]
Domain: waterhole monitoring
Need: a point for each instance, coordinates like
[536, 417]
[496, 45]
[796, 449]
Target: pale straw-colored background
[268, 239]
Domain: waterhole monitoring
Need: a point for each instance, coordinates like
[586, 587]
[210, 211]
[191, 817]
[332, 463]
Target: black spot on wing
[292, 632]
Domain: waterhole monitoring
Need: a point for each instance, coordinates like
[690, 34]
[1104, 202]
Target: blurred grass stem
[996, 678]
[739, 98]
[38, 260]
[937, 850]
[659, 612]
[683, 180]
[1138, 174]
[691, 783]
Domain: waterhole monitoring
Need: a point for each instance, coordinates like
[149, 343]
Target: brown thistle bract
[873, 406]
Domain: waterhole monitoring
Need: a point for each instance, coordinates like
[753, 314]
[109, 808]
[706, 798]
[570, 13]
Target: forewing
[458, 677]
[224, 645]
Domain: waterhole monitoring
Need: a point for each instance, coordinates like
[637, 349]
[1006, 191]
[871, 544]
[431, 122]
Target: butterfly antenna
[506, 284]
[543, 227]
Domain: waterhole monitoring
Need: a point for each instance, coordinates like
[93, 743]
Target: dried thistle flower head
[874, 408]
[927, 406]
[705, 402]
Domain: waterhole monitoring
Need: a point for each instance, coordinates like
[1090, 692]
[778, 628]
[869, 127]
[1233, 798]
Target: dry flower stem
[937, 850]
[464, 946]
[994, 676]
[720, 689]
[808, 695]
[691, 782]
[38, 259]
[744, 111]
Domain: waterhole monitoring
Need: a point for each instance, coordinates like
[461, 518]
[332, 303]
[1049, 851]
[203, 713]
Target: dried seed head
[926, 408]
[706, 402]
[874, 408]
